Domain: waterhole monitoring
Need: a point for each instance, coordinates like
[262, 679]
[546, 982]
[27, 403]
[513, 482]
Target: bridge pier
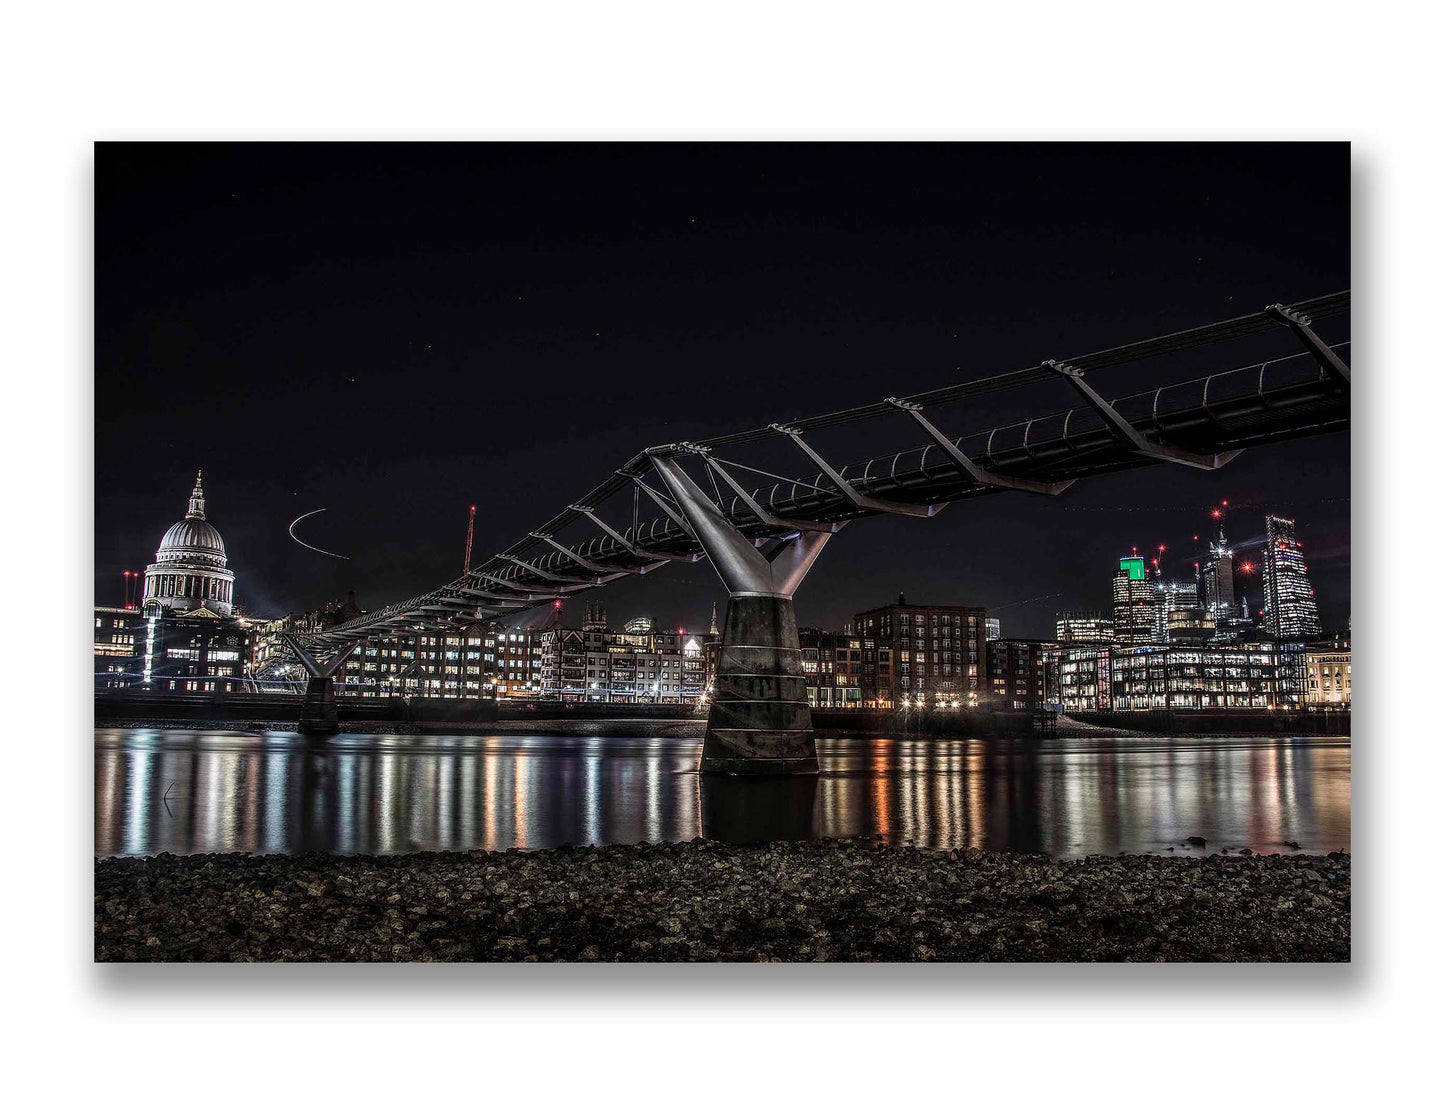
[318, 708]
[759, 722]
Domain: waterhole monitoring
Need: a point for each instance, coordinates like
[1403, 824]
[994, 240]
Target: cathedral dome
[192, 535]
[190, 572]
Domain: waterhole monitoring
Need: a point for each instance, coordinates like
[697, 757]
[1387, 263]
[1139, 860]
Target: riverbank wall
[130, 707]
[1205, 721]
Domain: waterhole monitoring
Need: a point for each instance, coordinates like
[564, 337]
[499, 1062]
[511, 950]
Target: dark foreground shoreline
[836, 900]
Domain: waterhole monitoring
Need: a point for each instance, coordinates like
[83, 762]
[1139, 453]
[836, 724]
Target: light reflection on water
[180, 791]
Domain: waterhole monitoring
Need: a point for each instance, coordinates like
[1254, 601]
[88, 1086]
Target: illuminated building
[832, 665]
[641, 662]
[195, 651]
[1290, 611]
[1085, 681]
[1190, 625]
[479, 661]
[1253, 675]
[1174, 597]
[190, 572]
[120, 636]
[1135, 599]
[1083, 627]
[920, 655]
[184, 638]
[991, 629]
[1327, 677]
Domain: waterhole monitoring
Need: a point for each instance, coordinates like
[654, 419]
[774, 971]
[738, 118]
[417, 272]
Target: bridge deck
[1262, 402]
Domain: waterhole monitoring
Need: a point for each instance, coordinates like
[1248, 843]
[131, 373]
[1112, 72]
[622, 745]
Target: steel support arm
[1122, 429]
[1325, 357]
[744, 570]
[315, 667]
[968, 467]
[850, 492]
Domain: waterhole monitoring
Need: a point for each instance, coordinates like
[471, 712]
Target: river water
[622, 782]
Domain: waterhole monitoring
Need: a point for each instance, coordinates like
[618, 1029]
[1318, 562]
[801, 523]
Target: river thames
[613, 782]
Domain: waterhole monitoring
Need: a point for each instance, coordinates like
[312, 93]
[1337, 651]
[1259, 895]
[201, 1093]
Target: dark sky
[394, 332]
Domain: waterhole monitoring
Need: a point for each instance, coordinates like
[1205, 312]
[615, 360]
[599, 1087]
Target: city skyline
[402, 287]
[1163, 563]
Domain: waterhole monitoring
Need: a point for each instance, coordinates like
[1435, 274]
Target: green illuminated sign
[1134, 565]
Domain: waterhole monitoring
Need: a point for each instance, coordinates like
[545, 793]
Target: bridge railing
[1261, 400]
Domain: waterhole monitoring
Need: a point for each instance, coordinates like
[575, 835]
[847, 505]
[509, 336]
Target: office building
[1135, 599]
[1290, 611]
[1083, 627]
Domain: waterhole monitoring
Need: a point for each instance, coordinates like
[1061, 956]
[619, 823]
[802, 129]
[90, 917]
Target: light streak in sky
[292, 530]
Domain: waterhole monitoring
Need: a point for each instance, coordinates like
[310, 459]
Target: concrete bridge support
[318, 708]
[759, 721]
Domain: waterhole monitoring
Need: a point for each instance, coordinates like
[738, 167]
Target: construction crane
[471, 524]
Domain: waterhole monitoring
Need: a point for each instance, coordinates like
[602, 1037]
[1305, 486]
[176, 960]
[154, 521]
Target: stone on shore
[837, 900]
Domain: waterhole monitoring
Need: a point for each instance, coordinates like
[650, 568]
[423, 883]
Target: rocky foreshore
[837, 900]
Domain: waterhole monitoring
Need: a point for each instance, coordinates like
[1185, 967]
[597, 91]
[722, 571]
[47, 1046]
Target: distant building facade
[120, 638]
[471, 662]
[1085, 677]
[1083, 627]
[832, 668]
[1327, 677]
[1135, 601]
[641, 662]
[1290, 610]
[920, 655]
[1022, 674]
[1217, 577]
[1253, 675]
[195, 652]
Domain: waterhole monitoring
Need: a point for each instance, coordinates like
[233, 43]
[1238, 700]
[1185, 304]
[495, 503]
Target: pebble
[831, 901]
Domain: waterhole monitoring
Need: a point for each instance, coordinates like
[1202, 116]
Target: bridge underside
[762, 539]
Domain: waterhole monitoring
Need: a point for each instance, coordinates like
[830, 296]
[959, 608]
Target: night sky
[394, 332]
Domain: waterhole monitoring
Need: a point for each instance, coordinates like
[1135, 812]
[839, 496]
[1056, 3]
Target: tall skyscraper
[1174, 597]
[1218, 574]
[1135, 599]
[1290, 610]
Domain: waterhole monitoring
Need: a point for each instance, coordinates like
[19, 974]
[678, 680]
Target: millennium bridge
[1254, 380]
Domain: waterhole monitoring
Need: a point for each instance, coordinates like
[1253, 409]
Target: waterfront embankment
[819, 901]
